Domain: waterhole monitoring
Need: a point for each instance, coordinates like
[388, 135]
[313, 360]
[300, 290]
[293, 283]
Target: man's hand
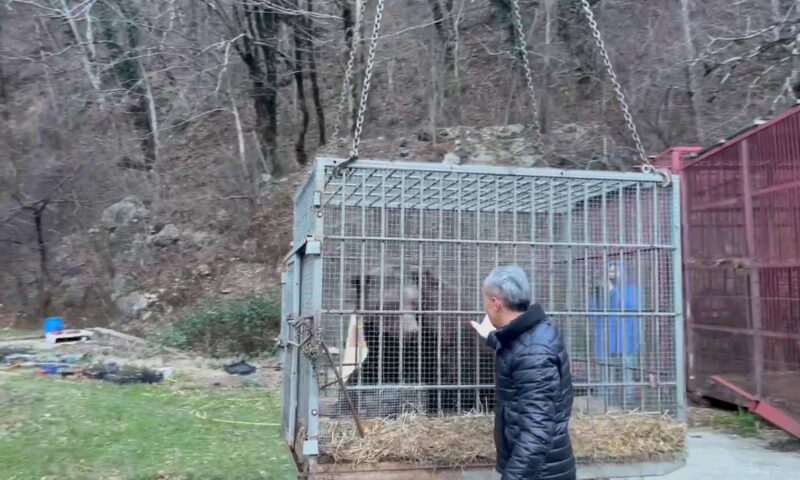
[484, 328]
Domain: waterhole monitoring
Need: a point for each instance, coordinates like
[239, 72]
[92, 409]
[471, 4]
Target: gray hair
[510, 284]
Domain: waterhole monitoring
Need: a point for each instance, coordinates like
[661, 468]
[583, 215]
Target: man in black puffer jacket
[532, 381]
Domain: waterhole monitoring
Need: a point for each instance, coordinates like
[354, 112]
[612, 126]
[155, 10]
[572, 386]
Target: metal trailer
[741, 241]
[444, 227]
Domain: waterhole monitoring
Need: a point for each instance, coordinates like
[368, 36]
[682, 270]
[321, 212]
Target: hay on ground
[468, 440]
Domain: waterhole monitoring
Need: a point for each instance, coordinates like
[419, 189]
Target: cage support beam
[402, 471]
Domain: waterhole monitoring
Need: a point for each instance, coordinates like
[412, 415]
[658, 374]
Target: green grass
[742, 423]
[66, 429]
[6, 333]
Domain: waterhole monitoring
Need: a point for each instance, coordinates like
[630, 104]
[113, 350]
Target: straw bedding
[463, 441]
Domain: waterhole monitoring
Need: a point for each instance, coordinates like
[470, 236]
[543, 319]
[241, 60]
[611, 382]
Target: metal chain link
[523, 53]
[367, 79]
[587, 9]
[348, 73]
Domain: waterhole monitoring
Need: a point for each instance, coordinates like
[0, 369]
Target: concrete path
[719, 456]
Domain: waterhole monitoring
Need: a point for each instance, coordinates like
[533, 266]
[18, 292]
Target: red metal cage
[741, 247]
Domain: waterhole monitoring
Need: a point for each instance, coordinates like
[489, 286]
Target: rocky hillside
[149, 151]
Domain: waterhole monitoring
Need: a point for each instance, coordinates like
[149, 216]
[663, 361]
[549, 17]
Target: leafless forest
[149, 148]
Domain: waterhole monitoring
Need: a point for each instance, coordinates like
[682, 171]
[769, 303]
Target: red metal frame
[672, 158]
[741, 247]
[764, 409]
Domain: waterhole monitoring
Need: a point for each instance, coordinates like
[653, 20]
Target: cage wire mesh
[405, 251]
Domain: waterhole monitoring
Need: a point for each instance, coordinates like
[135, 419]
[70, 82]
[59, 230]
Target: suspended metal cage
[385, 274]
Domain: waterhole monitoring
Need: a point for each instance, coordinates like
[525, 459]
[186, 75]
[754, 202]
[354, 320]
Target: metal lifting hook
[337, 170]
[665, 173]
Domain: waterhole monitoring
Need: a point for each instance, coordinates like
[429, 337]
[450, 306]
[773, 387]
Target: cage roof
[389, 184]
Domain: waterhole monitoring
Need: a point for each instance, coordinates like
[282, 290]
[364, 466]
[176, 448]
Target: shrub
[244, 325]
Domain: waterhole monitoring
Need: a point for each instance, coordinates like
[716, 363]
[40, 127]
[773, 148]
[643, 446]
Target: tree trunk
[456, 71]
[44, 274]
[547, 77]
[312, 74]
[777, 17]
[239, 130]
[265, 125]
[261, 68]
[502, 10]
[347, 26]
[573, 30]
[442, 11]
[262, 26]
[692, 87]
[445, 29]
[358, 75]
[299, 45]
[129, 72]
[349, 12]
[3, 98]
[87, 57]
[38, 214]
[141, 122]
[351, 16]
[268, 22]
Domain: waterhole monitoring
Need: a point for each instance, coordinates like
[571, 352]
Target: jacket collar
[505, 336]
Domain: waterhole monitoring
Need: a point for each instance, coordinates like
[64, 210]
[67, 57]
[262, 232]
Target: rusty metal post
[687, 291]
[754, 273]
[359, 426]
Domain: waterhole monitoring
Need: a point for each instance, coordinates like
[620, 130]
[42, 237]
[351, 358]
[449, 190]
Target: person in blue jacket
[616, 337]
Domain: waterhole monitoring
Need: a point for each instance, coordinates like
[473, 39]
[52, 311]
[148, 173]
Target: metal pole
[460, 235]
[686, 249]
[755, 281]
[293, 356]
[677, 280]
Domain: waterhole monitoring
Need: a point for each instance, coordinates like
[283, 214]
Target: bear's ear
[412, 276]
[429, 281]
[355, 281]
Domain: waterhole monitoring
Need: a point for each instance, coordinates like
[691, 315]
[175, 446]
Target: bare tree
[120, 24]
[443, 21]
[300, 35]
[3, 99]
[36, 205]
[255, 25]
[351, 16]
[692, 87]
[312, 71]
[547, 77]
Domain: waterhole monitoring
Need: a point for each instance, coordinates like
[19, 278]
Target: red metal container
[741, 248]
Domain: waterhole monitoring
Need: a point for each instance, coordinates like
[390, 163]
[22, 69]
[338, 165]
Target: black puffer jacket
[534, 400]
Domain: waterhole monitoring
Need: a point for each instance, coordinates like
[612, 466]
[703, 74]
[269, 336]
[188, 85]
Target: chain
[587, 9]
[348, 73]
[367, 79]
[523, 53]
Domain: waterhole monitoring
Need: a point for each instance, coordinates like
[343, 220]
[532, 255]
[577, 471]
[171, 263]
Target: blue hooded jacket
[622, 330]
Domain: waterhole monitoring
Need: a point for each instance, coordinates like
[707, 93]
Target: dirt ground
[193, 370]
